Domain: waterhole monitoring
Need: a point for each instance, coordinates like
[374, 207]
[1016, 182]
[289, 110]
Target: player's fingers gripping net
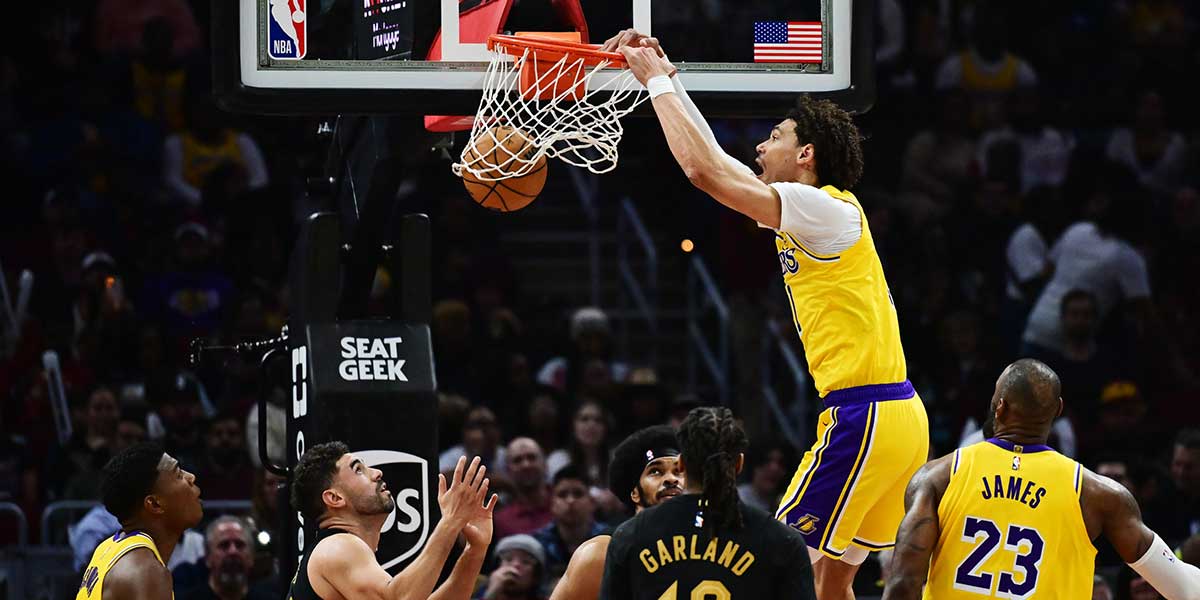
[564, 99]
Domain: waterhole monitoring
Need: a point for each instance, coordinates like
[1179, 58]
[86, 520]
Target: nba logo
[288, 30]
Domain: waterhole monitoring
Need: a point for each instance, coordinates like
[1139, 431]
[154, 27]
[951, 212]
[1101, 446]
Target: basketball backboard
[736, 57]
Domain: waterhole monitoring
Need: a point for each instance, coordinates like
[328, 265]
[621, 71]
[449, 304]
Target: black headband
[658, 452]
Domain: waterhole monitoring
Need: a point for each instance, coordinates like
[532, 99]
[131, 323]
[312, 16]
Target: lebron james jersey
[858, 340]
[106, 555]
[1011, 526]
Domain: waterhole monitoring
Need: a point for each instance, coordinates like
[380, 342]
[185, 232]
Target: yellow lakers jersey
[1011, 526]
[843, 310]
[106, 555]
[200, 159]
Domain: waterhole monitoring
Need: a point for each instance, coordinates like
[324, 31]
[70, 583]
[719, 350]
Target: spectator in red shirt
[529, 509]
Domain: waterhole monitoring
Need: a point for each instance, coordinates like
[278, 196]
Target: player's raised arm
[1110, 509]
[705, 164]
[919, 530]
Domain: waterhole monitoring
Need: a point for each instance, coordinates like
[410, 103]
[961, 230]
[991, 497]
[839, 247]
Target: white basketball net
[584, 133]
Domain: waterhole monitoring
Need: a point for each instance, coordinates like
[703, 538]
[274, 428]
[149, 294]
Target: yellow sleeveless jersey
[975, 79]
[1011, 526]
[843, 310]
[106, 555]
[200, 159]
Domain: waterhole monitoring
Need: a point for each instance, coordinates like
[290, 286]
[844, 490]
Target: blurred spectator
[229, 544]
[987, 68]
[75, 472]
[204, 147]
[225, 468]
[178, 421]
[767, 468]
[644, 401]
[120, 23]
[544, 419]
[157, 80]
[1185, 474]
[589, 450]
[939, 161]
[456, 357]
[1100, 589]
[1147, 147]
[1083, 365]
[480, 437]
[1093, 256]
[191, 296]
[1122, 423]
[529, 508]
[1027, 263]
[521, 571]
[966, 369]
[1131, 586]
[1045, 150]
[574, 521]
[591, 338]
[1116, 469]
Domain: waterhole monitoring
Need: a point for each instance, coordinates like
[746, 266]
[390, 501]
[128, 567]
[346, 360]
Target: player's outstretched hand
[460, 499]
[646, 63]
[630, 37]
[478, 530]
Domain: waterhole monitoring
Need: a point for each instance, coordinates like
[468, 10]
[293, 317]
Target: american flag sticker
[788, 42]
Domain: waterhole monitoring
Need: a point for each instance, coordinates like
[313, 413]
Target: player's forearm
[904, 586]
[1171, 577]
[696, 156]
[462, 579]
[416, 581]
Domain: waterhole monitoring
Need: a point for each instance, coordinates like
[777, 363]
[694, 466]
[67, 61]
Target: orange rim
[510, 44]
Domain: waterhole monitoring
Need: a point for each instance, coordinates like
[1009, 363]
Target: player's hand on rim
[461, 497]
[645, 62]
[631, 37]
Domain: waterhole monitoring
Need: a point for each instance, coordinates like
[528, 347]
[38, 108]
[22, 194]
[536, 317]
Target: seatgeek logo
[371, 359]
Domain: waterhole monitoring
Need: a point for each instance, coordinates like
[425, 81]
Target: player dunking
[155, 501]
[705, 543]
[643, 472]
[847, 494]
[1011, 518]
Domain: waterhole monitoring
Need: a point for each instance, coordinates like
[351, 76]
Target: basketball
[513, 193]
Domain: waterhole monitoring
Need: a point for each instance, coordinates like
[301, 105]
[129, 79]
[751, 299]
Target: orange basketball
[513, 193]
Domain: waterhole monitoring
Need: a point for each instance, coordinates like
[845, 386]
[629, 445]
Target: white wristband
[659, 85]
[1171, 577]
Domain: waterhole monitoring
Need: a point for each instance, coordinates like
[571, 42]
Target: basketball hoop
[564, 98]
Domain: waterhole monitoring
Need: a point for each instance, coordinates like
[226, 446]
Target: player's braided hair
[710, 441]
[837, 141]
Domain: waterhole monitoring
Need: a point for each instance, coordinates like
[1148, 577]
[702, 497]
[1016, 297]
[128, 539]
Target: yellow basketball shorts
[849, 487]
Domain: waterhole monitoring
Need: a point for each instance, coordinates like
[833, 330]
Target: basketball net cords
[583, 133]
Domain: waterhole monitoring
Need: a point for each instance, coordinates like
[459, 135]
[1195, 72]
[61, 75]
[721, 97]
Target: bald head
[1027, 398]
[526, 463]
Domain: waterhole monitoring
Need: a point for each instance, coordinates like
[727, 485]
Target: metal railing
[791, 423]
[55, 509]
[22, 523]
[641, 292]
[587, 187]
[703, 297]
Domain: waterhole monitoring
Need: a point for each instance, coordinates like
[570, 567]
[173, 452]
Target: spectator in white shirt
[1155, 153]
[206, 145]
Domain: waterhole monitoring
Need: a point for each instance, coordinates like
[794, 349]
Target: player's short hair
[830, 129]
[711, 441]
[570, 471]
[1032, 387]
[1189, 439]
[1073, 295]
[629, 459]
[128, 478]
[313, 475]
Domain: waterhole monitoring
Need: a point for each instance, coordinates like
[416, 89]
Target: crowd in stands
[1032, 185]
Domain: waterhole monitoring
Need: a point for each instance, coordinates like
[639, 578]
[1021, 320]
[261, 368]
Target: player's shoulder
[136, 570]
[337, 550]
[590, 552]
[1103, 493]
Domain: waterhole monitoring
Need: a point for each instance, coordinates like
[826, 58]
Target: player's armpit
[919, 531]
[138, 576]
[346, 563]
[584, 573]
